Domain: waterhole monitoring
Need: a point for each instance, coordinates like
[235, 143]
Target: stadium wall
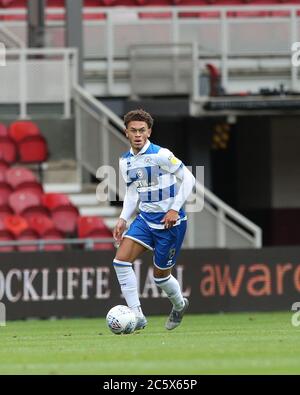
[83, 283]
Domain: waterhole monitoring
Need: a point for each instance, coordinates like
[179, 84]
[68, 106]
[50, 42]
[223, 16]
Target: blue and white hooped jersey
[151, 172]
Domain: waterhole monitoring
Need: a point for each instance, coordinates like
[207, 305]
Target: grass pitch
[246, 343]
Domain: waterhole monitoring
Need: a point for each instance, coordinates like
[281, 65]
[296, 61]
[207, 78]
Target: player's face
[137, 133]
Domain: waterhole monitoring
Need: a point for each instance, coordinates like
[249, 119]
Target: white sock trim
[123, 263]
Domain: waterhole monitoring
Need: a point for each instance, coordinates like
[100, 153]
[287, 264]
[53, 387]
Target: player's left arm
[174, 165]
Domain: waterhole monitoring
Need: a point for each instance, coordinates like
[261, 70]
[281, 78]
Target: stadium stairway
[61, 177]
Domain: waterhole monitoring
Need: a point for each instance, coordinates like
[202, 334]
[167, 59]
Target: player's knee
[122, 257]
[158, 273]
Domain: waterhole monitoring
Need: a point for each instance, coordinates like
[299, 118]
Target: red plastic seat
[3, 168]
[89, 224]
[19, 130]
[28, 234]
[65, 218]
[6, 3]
[5, 210]
[41, 224]
[155, 15]
[6, 235]
[53, 234]
[20, 201]
[8, 150]
[3, 130]
[5, 192]
[16, 224]
[27, 204]
[2, 176]
[17, 175]
[31, 186]
[54, 200]
[33, 149]
[95, 227]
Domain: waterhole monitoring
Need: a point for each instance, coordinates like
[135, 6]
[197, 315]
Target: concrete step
[101, 211]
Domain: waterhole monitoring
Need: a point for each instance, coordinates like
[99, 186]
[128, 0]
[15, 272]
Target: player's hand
[119, 229]
[170, 219]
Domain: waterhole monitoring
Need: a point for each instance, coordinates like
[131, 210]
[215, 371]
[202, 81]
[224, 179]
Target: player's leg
[132, 246]
[168, 244]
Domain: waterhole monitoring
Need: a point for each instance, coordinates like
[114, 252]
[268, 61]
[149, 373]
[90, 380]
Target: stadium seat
[15, 224]
[65, 218]
[27, 204]
[28, 234]
[21, 129]
[214, 80]
[33, 149]
[18, 226]
[2, 175]
[45, 229]
[94, 227]
[33, 187]
[16, 176]
[6, 235]
[6, 3]
[8, 150]
[3, 167]
[88, 224]
[22, 179]
[5, 210]
[54, 234]
[3, 130]
[41, 224]
[54, 200]
[5, 192]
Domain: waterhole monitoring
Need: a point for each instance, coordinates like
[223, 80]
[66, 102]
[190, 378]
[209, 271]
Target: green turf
[247, 343]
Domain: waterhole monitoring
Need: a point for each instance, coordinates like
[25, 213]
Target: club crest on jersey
[139, 173]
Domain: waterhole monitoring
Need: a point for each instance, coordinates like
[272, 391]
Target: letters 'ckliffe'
[72, 283]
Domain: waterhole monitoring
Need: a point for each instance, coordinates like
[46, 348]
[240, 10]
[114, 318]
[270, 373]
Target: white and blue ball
[121, 320]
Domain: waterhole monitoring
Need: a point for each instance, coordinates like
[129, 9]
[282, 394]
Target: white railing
[9, 39]
[99, 141]
[39, 75]
[226, 32]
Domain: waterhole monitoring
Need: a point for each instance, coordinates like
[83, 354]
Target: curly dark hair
[138, 115]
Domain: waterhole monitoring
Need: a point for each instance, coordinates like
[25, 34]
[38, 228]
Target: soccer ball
[121, 320]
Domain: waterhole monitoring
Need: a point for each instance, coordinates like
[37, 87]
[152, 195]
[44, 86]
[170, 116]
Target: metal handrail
[103, 109]
[89, 241]
[215, 7]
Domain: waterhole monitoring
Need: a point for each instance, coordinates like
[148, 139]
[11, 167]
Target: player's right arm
[129, 206]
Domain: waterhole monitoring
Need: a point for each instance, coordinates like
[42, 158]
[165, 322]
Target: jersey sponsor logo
[173, 160]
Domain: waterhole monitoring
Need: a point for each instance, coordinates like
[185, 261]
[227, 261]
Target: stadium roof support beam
[74, 31]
